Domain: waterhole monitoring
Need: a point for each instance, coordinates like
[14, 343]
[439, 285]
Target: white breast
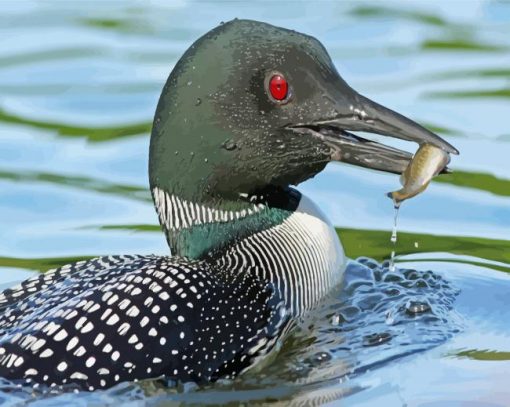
[302, 256]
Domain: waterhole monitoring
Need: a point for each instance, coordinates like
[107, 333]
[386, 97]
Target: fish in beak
[354, 112]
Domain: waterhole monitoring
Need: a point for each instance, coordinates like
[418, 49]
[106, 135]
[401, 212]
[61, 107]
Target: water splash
[393, 238]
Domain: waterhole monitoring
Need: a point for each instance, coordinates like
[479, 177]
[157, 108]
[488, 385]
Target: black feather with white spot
[112, 319]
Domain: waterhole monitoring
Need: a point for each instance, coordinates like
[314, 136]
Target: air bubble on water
[198, 102]
[190, 83]
[417, 307]
[335, 320]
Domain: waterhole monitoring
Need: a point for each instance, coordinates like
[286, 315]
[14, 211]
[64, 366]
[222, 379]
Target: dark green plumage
[217, 134]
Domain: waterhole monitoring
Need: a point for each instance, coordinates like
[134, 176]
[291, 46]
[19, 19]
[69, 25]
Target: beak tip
[447, 146]
[453, 150]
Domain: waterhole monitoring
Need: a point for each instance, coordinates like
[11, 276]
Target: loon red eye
[278, 87]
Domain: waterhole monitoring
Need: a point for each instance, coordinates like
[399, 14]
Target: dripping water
[393, 238]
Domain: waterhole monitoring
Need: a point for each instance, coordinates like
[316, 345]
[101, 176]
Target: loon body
[249, 110]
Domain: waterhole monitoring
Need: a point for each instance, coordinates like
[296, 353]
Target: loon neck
[200, 229]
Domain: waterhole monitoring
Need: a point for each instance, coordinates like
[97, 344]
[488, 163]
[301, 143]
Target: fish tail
[397, 196]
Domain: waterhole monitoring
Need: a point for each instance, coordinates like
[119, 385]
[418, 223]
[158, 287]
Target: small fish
[427, 162]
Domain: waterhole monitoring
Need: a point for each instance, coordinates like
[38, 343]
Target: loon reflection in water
[249, 110]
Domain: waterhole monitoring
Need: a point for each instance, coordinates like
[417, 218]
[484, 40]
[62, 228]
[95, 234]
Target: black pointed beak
[354, 112]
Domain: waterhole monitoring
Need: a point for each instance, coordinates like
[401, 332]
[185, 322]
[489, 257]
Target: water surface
[79, 82]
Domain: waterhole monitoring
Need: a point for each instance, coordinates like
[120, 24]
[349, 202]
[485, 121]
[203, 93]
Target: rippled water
[79, 82]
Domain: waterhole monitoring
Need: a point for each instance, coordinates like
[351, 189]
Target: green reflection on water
[368, 243]
[132, 228]
[39, 264]
[480, 181]
[110, 23]
[470, 94]
[460, 45]
[48, 55]
[91, 133]
[376, 244]
[494, 72]
[388, 12]
[484, 354]
[465, 179]
[84, 183]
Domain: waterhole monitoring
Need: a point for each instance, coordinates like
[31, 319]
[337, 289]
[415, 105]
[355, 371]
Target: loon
[249, 110]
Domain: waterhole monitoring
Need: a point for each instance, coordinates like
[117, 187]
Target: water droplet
[206, 160]
[198, 102]
[376, 339]
[392, 261]
[393, 238]
[176, 152]
[390, 318]
[192, 153]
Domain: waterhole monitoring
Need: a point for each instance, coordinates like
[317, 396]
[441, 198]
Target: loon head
[251, 106]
